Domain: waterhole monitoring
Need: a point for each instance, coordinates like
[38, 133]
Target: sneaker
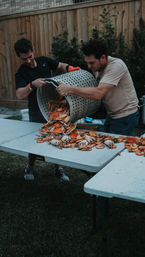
[28, 175]
[61, 175]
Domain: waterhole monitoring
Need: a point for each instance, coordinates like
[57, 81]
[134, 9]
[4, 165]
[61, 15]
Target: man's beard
[102, 68]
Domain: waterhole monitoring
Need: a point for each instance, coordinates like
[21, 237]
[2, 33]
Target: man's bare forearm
[62, 66]
[23, 92]
[96, 93]
[90, 93]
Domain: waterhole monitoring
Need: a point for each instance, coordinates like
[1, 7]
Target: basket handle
[54, 83]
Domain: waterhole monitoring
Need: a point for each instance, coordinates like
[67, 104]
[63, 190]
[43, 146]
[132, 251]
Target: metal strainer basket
[79, 107]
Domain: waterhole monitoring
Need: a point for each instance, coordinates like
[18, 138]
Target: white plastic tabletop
[12, 129]
[124, 177]
[92, 161]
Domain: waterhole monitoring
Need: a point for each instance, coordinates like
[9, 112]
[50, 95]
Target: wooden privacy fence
[40, 27]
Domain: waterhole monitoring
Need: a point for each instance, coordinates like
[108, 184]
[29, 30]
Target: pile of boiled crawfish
[60, 132]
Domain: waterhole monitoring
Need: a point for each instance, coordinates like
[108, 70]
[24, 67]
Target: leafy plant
[116, 44]
[136, 58]
[68, 52]
[108, 31]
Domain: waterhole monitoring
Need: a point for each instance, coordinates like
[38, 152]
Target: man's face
[96, 64]
[28, 59]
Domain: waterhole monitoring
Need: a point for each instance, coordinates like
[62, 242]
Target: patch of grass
[49, 218]
[18, 117]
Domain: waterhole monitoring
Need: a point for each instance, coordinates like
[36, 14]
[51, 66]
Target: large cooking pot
[79, 107]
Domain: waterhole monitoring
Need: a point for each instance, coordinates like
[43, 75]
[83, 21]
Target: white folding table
[19, 137]
[124, 177]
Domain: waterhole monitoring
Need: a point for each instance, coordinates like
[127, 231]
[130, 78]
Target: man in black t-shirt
[28, 79]
[30, 76]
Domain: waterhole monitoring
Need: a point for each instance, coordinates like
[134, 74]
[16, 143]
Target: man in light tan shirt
[115, 88]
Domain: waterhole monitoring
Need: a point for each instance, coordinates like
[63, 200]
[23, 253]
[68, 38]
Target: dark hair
[23, 45]
[94, 47]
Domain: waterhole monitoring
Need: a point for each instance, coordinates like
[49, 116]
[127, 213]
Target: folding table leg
[40, 158]
[94, 213]
[105, 216]
[33, 157]
[56, 167]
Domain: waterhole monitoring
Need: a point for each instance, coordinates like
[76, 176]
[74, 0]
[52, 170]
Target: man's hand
[39, 82]
[63, 89]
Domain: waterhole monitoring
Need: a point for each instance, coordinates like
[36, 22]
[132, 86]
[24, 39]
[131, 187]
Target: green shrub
[68, 52]
[107, 32]
[136, 58]
[116, 44]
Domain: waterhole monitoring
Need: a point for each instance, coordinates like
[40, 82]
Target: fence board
[50, 31]
[41, 34]
[79, 24]
[137, 13]
[38, 35]
[12, 64]
[125, 21]
[70, 24]
[118, 18]
[28, 27]
[2, 63]
[76, 24]
[96, 17]
[32, 29]
[46, 36]
[84, 24]
[143, 10]
[40, 27]
[8, 70]
[131, 25]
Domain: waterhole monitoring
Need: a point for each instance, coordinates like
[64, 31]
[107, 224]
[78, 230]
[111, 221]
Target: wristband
[30, 86]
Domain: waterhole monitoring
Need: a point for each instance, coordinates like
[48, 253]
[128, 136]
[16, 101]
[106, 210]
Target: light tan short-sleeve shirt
[121, 100]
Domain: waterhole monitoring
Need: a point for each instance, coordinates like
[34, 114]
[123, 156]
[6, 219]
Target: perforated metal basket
[79, 107]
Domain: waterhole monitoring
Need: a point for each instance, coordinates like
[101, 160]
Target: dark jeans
[37, 118]
[122, 126]
[40, 119]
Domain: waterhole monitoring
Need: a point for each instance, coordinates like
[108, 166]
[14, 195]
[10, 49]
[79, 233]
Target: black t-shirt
[25, 75]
